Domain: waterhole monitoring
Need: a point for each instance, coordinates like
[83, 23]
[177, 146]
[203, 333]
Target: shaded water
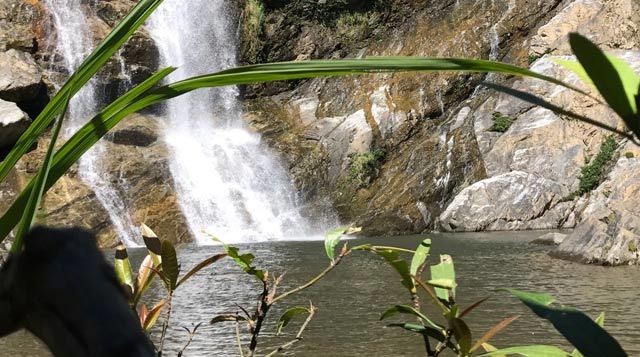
[351, 298]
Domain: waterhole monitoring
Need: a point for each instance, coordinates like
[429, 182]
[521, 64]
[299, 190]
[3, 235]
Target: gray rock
[552, 238]
[13, 122]
[609, 229]
[20, 77]
[515, 200]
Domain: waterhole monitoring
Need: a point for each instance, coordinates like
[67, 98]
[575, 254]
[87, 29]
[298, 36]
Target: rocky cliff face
[395, 153]
[390, 150]
[31, 70]
[407, 153]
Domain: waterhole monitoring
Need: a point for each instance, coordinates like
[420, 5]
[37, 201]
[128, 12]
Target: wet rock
[553, 238]
[143, 174]
[20, 76]
[510, 201]
[137, 131]
[13, 122]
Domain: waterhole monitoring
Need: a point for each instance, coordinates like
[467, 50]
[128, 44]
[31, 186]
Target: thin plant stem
[312, 311]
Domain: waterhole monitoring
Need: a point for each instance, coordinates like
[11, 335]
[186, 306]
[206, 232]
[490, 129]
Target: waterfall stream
[228, 182]
[74, 43]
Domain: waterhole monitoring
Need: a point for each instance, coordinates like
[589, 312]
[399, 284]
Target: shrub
[501, 123]
[364, 167]
[629, 155]
[592, 173]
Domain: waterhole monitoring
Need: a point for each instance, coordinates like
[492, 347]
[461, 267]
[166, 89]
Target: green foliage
[585, 334]
[252, 19]
[629, 155]
[331, 240]
[288, 315]
[352, 27]
[364, 167]
[501, 123]
[592, 173]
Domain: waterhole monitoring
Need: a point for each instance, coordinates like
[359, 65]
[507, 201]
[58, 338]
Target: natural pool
[351, 298]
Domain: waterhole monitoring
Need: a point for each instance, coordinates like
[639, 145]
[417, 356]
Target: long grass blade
[29, 213]
[121, 33]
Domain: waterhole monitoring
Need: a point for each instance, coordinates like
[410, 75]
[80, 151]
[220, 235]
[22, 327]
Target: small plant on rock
[501, 122]
[593, 172]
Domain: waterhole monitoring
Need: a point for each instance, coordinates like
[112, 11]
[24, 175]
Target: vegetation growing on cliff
[501, 123]
[364, 167]
[592, 173]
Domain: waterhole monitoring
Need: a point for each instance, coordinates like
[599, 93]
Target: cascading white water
[228, 183]
[74, 43]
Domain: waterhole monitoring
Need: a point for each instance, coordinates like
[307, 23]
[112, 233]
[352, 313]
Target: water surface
[351, 298]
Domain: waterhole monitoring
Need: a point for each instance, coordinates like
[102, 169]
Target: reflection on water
[351, 299]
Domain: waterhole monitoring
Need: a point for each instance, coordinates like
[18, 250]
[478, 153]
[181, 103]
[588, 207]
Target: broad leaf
[586, 335]
[288, 315]
[331, 240]
[619, 93]
[404, 309]
[420, 256]
[170, 267]
[244, 262]
[443, 278]
[400, 265]
[123, 269]
[462, 334]
[437, 334]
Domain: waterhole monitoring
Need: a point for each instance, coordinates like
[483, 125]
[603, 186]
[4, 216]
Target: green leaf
[420, 256]
[77, 145]
[331, 240]
[244, 262]
[531, 297]
[29, 213]
[400, 265]
[443, 278]
[529, 351]
[203, 264]
[170, 266]
[404, 309]
[617, 91]
[288, 315]
[462, 334]
[585, 335]
[437, 334]
[96, 60]
[122, 266]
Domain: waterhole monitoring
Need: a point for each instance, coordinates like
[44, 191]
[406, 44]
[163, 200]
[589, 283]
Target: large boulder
[20, 76]
[609, 230]
[510, 201]
[13, 122]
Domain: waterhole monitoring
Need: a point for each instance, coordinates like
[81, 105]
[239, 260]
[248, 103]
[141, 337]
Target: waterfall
[74, 43]
[228, 182]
